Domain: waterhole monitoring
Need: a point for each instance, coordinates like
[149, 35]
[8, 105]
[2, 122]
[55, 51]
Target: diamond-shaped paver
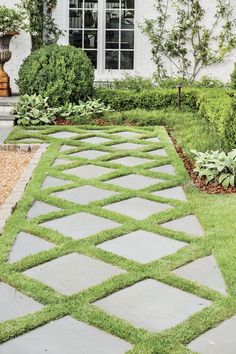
[14, 304]
[95, 140]
[130, 161]
[169, 169]
[81, 338]
[142, 246]
[128, 146]
[88, 171]
[40, 208]
[54, 182]
[159, 152]
[59, 162]
[29, 140]
[127, 134]
[63, 135]
[84, 194]
[152, 305]
[27, 245]
[204, 271]
[134, 181]
[137, 208]
[172, 193]
[66, 148]
[73, 273]
[90, 154]
[153, 140]
[80, 225]
[188, 224]
[219, 340]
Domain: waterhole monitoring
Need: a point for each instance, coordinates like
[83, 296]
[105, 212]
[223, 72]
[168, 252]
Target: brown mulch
[200, 183]
[12, 165]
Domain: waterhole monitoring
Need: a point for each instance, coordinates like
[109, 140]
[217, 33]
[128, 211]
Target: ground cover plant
[219, 239]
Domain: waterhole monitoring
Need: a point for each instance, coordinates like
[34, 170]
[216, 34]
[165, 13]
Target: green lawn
[216, 214]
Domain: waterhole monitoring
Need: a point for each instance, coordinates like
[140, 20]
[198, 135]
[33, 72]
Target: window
[110, 37]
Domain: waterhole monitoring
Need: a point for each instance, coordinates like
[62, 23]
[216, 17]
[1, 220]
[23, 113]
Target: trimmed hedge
[124, 100]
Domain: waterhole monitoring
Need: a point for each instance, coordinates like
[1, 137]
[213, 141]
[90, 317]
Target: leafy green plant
[84, 111]
[205, 82]
[10, 20]
[64, 74]
[217, 166]
[133, 82]
[33, 110]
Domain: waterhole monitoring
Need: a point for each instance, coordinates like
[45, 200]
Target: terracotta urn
[5, 56]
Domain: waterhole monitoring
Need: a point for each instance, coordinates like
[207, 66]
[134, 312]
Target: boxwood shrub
[62, 73]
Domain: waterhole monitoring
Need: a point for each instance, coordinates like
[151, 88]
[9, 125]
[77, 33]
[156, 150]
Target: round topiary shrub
[62, 73]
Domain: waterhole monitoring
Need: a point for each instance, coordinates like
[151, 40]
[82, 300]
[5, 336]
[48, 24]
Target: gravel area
[12, 165]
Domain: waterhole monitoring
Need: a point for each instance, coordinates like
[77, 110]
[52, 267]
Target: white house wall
[21, 45]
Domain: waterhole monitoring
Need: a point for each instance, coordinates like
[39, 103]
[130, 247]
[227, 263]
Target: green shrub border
[216, 106]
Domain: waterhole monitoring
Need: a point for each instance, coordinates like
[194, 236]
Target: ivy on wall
[182, 34]
[42, 26]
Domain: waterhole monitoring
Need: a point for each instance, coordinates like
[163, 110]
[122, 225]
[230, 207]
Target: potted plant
[11, 22]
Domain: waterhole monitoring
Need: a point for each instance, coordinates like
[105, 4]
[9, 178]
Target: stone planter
[5, 56]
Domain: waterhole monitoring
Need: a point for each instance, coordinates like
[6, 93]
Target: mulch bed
[200, 183]
[12, 165]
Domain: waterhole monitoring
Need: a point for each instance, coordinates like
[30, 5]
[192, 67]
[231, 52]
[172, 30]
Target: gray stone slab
[152, 305]
[73, 273]
[153, 140]
[130, 161]
[188, 224]
[84, 195]
[204, 271]
[95, 140]
[80, 225]
[29, 140]
[172, 193]
[53, 182]
[90, 154]
[128, 135]
[40, 208]
[65, 336]
[158, 152]
[137, 208]
[63, 135]
[58, 162]
[88, 171]
[128, 146]
[169, 169]
[14, 304]
[67, 147]
[219, 340]
[4, 132]
[134, 181]
[27, 245]
[142, 246]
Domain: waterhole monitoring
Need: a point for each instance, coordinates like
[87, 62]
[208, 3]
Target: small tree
[189, 44]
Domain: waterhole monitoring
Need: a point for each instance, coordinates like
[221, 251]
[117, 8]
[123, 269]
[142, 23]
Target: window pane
[90, 19]
[127, 60]
[127, 4]
[76, 19]
[112, 19]
[127, 39]
[91, 4]
[112, 39]
[113, 4]
[90, 39]
[112, 59]
[78, 4]
[75, 38]
[92, 54]
[127, 19]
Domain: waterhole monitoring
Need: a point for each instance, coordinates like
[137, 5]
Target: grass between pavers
[216, 214]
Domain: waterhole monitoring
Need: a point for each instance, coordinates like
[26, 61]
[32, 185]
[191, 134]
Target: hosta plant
[216, 166]
[33, 110]
[83, 112]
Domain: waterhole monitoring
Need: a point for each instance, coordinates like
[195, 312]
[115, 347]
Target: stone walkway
[107, 208]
